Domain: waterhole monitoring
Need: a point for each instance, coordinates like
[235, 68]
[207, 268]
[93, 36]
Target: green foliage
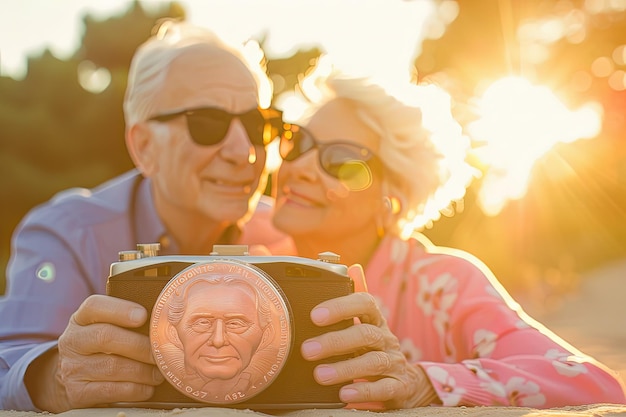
[56, 135]
[111, 43]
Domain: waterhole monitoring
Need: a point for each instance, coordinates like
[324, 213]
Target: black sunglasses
[350, 163]
[208, 125]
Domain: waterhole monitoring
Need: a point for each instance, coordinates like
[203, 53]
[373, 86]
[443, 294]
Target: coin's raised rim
[270, 288]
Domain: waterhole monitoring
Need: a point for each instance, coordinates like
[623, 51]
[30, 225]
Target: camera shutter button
[129, 255]
[329, 257]
[148, 249]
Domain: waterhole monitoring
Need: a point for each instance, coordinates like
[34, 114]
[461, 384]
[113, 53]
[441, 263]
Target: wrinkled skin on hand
[379, 373]
[99, 360]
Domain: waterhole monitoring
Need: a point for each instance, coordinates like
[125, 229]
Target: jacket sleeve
[501, 356]
[45, 284]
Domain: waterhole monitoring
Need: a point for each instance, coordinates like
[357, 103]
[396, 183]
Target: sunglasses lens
[356, 175]
[348, 164]
[208, 126]
[261, 131]
[294, 142]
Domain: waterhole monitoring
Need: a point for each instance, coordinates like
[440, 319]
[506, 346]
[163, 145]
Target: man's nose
[219, 337]
[237, 146]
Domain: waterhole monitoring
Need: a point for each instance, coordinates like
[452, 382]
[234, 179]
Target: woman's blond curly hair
[421, 145]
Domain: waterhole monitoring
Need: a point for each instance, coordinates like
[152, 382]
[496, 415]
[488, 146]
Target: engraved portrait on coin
[220, 331]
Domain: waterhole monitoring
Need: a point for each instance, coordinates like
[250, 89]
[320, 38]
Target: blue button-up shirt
[61, 254]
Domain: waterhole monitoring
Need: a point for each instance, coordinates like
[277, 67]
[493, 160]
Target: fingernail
[348, 395]
[320, 315]
[311, 348]
[137, 315]
[325, 373]
[157, 375]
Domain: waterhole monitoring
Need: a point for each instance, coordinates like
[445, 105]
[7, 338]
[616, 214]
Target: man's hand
[99, 359]
[379, 373]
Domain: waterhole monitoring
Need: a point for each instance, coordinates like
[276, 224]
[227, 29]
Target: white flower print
[565, 363]
[445, 385]
[399, 251]
[488, 383]
[410, 351]
[438, 296]
[436, 299]
[417, 265]
[448, 349]
[524, 393]
[484, 342]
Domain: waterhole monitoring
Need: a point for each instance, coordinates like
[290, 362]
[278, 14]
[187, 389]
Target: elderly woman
[434, 325]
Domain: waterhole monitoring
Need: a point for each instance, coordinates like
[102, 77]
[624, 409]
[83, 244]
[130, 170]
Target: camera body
[291, 286]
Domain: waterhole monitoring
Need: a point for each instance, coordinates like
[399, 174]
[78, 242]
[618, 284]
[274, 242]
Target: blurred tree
[111, 43]
[57, 135]
[567, 221]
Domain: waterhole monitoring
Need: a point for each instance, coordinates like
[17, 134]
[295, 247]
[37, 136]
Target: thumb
[259, 250]
[358, 276]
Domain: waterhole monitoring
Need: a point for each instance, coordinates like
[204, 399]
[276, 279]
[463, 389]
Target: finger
[385, 389]
[355, 272]
[359, 304]
[106, 338]
[259, 250]
[96, 393]
[108, 368]
[104, 309]
[371, 365]
[349, 340]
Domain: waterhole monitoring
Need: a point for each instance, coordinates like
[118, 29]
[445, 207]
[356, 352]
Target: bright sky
[347, 28]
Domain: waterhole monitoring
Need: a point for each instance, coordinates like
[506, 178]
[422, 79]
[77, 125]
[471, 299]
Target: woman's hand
[379, 372]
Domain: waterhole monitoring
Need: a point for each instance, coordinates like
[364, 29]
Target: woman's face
[313, 203]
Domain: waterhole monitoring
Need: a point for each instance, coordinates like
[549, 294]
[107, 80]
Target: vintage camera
[188, 301]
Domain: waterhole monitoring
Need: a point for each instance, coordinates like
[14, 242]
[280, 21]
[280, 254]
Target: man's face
[215, 181]
[220, 330]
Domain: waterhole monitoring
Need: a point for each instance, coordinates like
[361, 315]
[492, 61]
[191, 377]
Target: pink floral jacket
[475, 343]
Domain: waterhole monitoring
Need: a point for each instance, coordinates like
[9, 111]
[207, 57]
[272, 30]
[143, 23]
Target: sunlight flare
[520, 122]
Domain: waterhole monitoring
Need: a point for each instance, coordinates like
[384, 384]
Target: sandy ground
[593, 319]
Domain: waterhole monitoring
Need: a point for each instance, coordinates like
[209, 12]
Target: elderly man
[219, 322]
[197, 125]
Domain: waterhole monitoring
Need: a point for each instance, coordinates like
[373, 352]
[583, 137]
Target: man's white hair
[151, 62]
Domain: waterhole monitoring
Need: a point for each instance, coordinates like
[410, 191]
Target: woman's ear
[141, 146]
[392, 205]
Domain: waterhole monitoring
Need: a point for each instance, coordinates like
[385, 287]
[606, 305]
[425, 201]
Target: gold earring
[380, 229]
[391, 204]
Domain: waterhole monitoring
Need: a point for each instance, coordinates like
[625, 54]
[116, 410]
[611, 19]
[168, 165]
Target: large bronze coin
[221, 331]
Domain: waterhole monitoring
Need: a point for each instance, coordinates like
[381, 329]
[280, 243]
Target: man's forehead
[208, 72]
[212, 63]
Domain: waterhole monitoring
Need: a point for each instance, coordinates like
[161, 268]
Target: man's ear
[172, 335]
[142, 148]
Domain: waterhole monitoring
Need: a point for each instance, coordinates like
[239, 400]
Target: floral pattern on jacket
[476, 345]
